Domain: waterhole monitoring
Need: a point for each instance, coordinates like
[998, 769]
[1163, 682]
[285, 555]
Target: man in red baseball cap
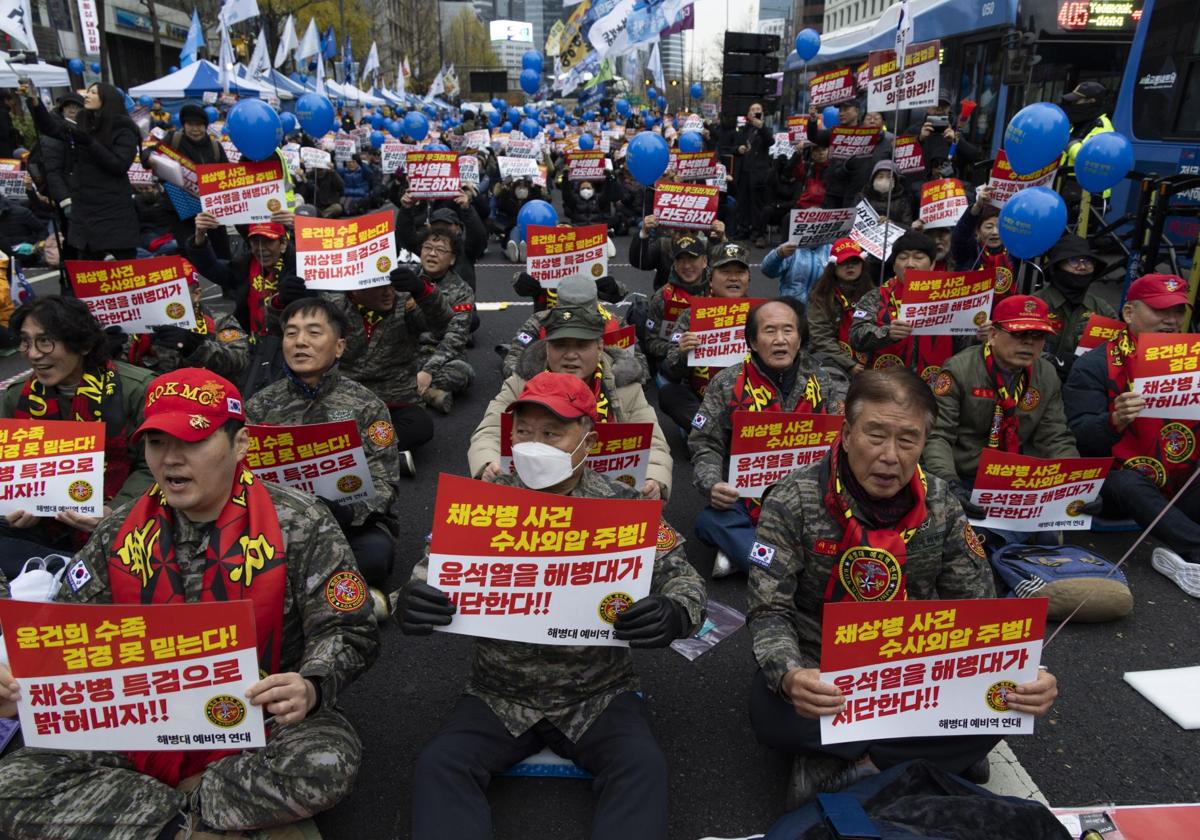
[1153, 456]
[581, 700]
[209, 530]
[1001, 395]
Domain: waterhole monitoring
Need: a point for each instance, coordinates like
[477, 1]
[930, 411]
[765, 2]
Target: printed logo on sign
[613, 605]
[869, 574]
[762, 555]
[997, 695]
[698, 421]
[349, 483]
[345, 591]
[225, 711]
[383, 264]
[273, 205]
[175, 311]
[597, 270]
[1075, 508]
[80, 491]
[78, 575]
[980, 318]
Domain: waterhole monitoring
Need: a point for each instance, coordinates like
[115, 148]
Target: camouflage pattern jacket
[657, 342]
[531, 331]
[444, 345]
[225, 351]
[571, 685]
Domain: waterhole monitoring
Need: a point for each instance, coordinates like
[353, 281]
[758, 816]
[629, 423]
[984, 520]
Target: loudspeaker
[750, 63]
[750, 42]
[747, 86]
[489, 81]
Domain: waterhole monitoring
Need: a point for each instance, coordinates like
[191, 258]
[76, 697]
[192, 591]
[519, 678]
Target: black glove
[420, 608]
[78, 137]
[1093, 508]
[176, 338]
[972, 510]
[526, 286]
[291, 289]
[115, 340]
[1062, 366]
[608, 290]
[344, 514]
[654, 621]
[404, 279]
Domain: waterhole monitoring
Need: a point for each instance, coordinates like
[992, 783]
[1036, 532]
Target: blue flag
[329, 44]
[347, 60]
[195, 40]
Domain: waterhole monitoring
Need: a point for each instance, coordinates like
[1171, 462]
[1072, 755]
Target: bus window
[1170, 48]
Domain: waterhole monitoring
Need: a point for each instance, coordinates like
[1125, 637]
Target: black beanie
[915, 241]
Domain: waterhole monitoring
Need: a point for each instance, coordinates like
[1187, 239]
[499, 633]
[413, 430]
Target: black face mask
[1081, 114]
[1072, 286]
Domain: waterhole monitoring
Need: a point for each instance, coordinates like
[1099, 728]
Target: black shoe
[815, 773]
[979, 772]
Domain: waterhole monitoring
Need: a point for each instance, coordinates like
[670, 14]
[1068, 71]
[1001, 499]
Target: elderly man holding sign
[208, 530]
[865, 524]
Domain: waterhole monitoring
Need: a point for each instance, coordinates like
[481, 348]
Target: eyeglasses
[433, 249]
[1080, 261]
[43, 343]
[1029, 336]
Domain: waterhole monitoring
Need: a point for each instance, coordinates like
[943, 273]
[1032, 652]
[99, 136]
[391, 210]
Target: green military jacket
[1070, 319]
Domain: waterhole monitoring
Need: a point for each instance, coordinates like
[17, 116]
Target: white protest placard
[517, 168]
[479, 139]
[324, 459]
[344, 148]
[242, 193]
[916, 86]
[12, 179]
[468, 171]
[555, 253]
[342, 255]
[232, 152]
[136, 295]
[1023, 493]
[291, 154]
[869, 232]
[521, 147]
[815, 226]
[392, 156]
[720, 325]
[782, 147]
[314, 158]
[947, 302]
[48, 466]
[1165, 372]
[767, 446]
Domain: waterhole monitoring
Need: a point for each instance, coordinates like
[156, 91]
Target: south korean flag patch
[860, 313]
[762, 555]
[698, 421]
[78, 575]
[524, 338]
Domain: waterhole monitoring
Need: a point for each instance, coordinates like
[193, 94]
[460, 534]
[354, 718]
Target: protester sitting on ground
[811, 174]
[1152, 457]
[653, 248]
[688, 279]
[1071, 270]
[975, 244]
[582, 701]
[939, 232]
[445, 371]
[574, 344]
[868, 491]
[831, 305]
[321, 188]
[315, 390]
[887, 195]
[844, 179]
[216, 343]
[587, 203]
[358, 186]
[1002, 395]
[796, 269]
[511, 196]
[456, 217]
[777, 375]
[315, 635]
[680, 397]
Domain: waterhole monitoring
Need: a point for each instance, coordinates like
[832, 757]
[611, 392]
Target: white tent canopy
[195, 80]
[41, 74]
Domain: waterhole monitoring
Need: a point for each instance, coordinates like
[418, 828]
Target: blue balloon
[315, 113]
[395, 127]
[96, 67]
[129, 104]
[530, 109]
[212, 113]
[697, 90]
[377, 139]
[1032, 221]
[532, 60]
[145, 100]
[647, 157]
[254, 128]
[649, 121]
[530, 81]
[651, 94]
[506, 126]
[303, 78]
[561, 125]
[430, 110]
[536, 212]
[416, 125]
[514, 115]
[586, 142]
[530, 128]
[437, 147]
[75, 66]
[808, 44]
[493, 118]
[662, 102]
[829, 117]
[1103, 161]
[559, 110]
[1036, 137]
[622, 107]
[290, 124]
[691, 141]
[171, 69]
[498, 104]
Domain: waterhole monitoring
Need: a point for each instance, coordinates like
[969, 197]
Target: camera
[942, 121]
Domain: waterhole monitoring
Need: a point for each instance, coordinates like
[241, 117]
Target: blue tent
[275, 81]
[195, 80]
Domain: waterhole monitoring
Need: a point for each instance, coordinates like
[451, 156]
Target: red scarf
[1000, 264]
[870, 564]
[244, 560]
[97, 399]
[1162, 450]
[1005, 431]
[843, 333]
[923, 354]
[262, 289]
[675, 300]
[139, 348]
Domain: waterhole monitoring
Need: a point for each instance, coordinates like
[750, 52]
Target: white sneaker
[521, 251]
[1186, 575]
[610, 249]
[408, 466]
[379, 604]
[510, 251]
[722, 566]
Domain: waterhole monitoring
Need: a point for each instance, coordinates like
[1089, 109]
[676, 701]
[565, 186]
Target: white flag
[371, 65]
[451, 82]
[437, 87]
[287, 41]
[260, 61]
[400, 79]
[17, 21]
[226, 58]
[903, 33]
[321, 75]
[407, 70]
[311, 45]
[235, 11]
[655, 66]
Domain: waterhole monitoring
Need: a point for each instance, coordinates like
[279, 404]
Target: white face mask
[522, 193]
[883, 185]
[586, 194]
[540, 465]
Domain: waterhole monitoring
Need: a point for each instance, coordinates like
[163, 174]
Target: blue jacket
[356, 183]
[798, 273]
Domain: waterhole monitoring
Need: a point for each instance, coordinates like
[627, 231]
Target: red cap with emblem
[1023, 313]
[562, 394]
[190, 404]
[1159, 291]
[271, 230]
[845, 249]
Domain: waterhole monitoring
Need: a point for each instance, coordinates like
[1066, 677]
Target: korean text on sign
[1165, 370]
[770, 445]
[1003, 183]
[241, 193]
[1097, 331]
[1022, 493]
[848, 142]
[324, 459]
[621, 451]
[947, 302]
[720, 325]
[943, 200]
[432, 174]
[911, 669]
[910, 159]
[136, 295]
[538, 567]
[47, 466]
[815, 226]
[345, 254]
[831, 87]
[685, 206]
[916, 86]
[585, 166]
[555, 253]
[135, 676]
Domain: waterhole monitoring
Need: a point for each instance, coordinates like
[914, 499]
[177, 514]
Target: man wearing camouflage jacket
[444, 368]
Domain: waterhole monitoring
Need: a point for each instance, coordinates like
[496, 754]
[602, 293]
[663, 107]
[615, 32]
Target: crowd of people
[917, 412]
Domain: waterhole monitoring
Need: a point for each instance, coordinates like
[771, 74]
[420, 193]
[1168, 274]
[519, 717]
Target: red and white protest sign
[622, 451]
[324, 459]
[468, 171]
[136, 295]
[344, 148]
[916, 86]
[342, 255]
[872, 234]
[943, 200]
[242, 193]
[625, 337]
[831, 87]
[1004, 183]
[797, 127]
[555, 253]
[909, 157]
[392, 156]
[720, 324]
[947, 302]
[846, 142]
[432, 174]
[12, 179]
[695, 166]
[47, 466]
[89, 24]
[685, 206]
[915, 669]
[1022, 493]
[585, 166]
[314, 158]
[516, 168]
[814, 226]
[539, 567]
[1165, 371]
[1097, 331]
[134, 676]
[767, 446]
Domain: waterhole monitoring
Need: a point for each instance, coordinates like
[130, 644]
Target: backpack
[1067, 575]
